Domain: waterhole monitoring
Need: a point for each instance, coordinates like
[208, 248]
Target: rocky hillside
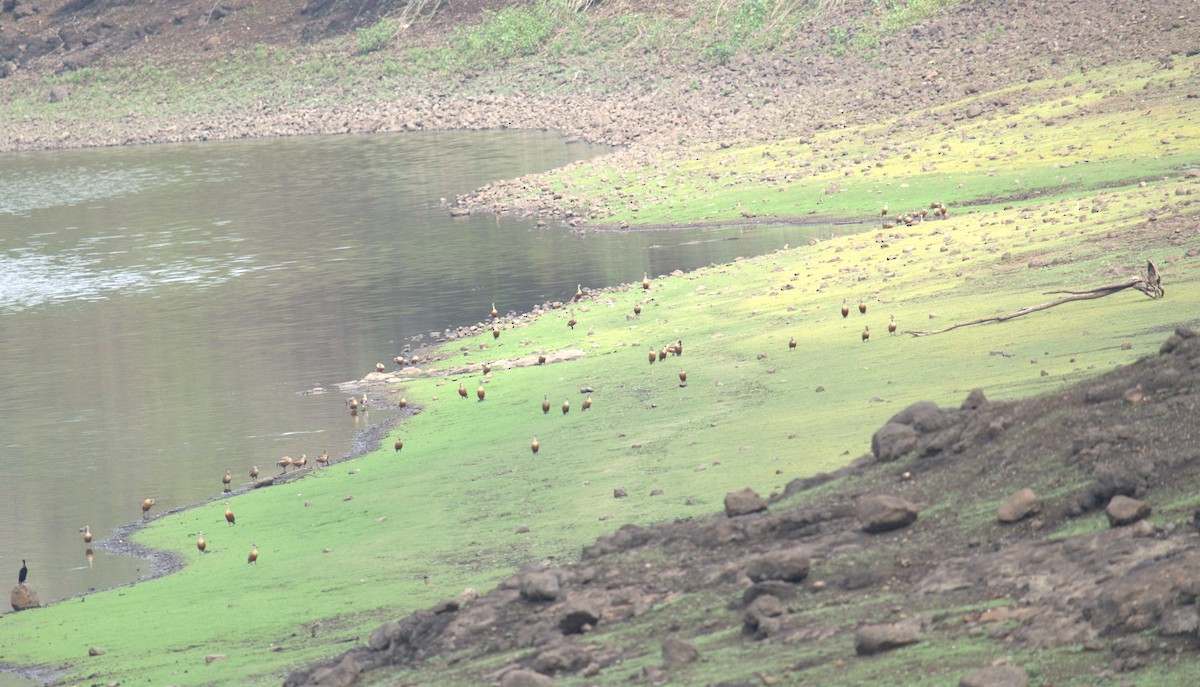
[1064, 524]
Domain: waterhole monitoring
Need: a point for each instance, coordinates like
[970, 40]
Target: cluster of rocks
[775, 561]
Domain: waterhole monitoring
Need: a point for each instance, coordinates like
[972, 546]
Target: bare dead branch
[1150, 284]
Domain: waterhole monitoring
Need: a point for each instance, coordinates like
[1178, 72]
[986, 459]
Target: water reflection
[164, 308]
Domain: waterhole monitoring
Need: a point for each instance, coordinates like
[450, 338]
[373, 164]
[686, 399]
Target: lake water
[164, 309]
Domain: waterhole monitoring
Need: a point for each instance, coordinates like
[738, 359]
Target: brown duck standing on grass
[253, 554]
[866, 335]
[545, 404]
[678, 346]
[495, 332]
[480, 393]
[200, 543]
[146, 506]
[637, 309]
[892, 324]
[792, 344]
[566, 406]
[572, 322]
[226, 480]
[587, 402]
[653, 357]
[462, 391]
[645, 281]
[662, 354]
[229, 515]
[862, 307]
[845, 309]
[535, 445]
[487, 369]
[399, 445]
[682, 378]
[541, 358]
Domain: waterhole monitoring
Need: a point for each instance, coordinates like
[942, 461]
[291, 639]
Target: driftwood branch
[1150, 284]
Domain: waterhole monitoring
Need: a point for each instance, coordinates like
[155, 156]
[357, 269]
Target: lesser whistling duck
[885, 210]
[399, 444]
[645, 281]
[253, 554]
[866, 333]
[662, 353]
[200, 544]
[229, 515]
[480, 393]
[254, 472]
[403, 402]
[87, 534]
[545, 404]
[495, 312]
[862, 307]
[892, 324]
[323, 459]
[535, 445]
[284, 462]
[399, 360]
[495, 332]
[487, 369]
[352, 404]
[579, 292]
[541, 358]
[679, 347]
[380, 367]
[587, 402]
[227, 479]
[572, 322]
[147, 504]
[845, 309]
[637, 308]
[300, 462]
[653, 356]
[792, 344]
[462, 390]
[682, 378]
[566, 406]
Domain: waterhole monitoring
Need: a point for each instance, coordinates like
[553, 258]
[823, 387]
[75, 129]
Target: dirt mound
[1063, 577]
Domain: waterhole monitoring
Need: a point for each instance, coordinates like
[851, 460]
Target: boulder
[525, 678]
[761, 618]
[577, 617]
[743, 502]
[1123, 510]
[1018, 506]
[540, 586]
[874, 639]
[776, 588]
[996, 676]
[923, 416]
[23, 598]
[892, 441]
[562, 656]
[975, 400]
[883, 513]
[677, 652]
[788, 566]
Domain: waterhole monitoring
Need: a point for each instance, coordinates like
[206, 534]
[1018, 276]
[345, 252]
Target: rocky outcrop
[883, 513]
[1018, 506]
[23, 598]
[875, 639]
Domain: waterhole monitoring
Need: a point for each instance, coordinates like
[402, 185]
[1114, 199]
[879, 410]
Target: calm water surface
[163, 309]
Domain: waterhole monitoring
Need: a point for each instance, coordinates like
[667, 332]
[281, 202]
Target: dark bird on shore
[545, 404]
[227, 479]
[87, 534]
[566, 406]
[495, 312]
[253, 554]
[866, 334]
[146, 505]
[254, 472]
[487, 369]
[323, 459]
[541, 358]
[845, 309]
[229, 515]
[535, 445]
[645, 281]
[200, 544]
[637, 308]
[24, 571]
[380, 367]
[792, 344]
[579, 292]
[682, 378]
[284, 462]
[587, 402]
[300, 462]
[892, 324]
[399, 444]
[495, 332]
[480, 393]
[653, 357]
[462, 390]
[572, 322]
[862, 307]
